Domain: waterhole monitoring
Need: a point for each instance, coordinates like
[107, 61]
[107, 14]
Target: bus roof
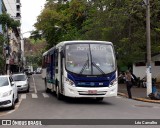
[50, 51]
[81, 41]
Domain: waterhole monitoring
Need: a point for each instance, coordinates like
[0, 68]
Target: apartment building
[13, 61]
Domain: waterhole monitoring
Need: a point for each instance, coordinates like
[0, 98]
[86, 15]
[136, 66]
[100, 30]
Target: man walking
[128, 78]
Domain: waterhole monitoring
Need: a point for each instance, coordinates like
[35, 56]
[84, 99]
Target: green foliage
[5, 19]
[35, 35]
[122, 22]
[2, 61]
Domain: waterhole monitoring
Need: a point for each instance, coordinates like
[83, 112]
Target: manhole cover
[145, 106]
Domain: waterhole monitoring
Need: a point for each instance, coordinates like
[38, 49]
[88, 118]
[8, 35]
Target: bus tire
[58, 94]
[99, 98]
[46, 89]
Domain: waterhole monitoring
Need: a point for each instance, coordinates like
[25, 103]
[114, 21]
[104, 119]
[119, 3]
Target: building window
[157, 63]
[18, 7]
[17, 1]
[18, 15]
[140, 64]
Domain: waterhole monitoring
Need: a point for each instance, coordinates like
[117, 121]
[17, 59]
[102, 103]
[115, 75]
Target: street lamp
[148, 66]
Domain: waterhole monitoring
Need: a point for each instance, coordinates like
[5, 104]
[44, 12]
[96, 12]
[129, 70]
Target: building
[2, 10]
[139, 68]
[13, 61]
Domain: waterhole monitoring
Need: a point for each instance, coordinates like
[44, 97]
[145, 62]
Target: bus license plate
[92, 91]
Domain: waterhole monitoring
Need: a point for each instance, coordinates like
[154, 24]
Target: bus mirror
[117, 55]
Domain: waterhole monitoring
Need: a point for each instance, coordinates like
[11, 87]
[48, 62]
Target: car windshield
[19, 77]
[90, 59]
[4, 81]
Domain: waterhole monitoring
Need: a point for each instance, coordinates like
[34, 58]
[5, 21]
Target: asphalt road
[40, 105]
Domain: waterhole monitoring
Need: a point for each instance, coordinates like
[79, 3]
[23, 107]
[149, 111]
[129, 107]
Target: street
[37, 104]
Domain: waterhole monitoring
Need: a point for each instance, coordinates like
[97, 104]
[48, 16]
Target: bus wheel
[47, 89]
[59, 96]
[99, 98]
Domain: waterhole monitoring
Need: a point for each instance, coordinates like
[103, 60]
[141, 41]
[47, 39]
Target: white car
[8, 92]
[21, 81]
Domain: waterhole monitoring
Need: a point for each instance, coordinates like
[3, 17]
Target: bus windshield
[90, 59]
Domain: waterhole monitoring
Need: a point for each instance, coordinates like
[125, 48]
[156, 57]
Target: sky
[30, 9]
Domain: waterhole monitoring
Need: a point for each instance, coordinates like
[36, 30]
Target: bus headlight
[113, 82]
[69, 82]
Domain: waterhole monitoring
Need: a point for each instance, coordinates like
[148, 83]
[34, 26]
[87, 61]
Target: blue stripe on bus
[84, 81]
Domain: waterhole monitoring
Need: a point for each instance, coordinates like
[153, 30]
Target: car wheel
[13, 103]
[27, 90]
[17, 100]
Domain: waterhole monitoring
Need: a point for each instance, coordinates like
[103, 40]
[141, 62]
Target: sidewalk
[137, 93]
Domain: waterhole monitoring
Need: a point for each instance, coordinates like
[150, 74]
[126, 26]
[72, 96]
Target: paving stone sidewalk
[137, 93]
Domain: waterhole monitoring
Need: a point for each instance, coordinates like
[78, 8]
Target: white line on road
[118, 97]
[45, 95]
[34, 95]
[23, 96]
[35, 89]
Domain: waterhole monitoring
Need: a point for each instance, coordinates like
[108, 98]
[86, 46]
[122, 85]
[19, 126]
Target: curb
[139, 99]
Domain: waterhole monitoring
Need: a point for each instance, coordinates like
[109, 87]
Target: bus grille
[86, 93]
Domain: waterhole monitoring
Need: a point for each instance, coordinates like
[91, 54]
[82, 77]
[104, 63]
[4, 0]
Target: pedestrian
[128, 78]
[155, 94]
[121, 78]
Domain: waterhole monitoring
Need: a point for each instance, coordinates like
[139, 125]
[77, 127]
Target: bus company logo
[92, 84]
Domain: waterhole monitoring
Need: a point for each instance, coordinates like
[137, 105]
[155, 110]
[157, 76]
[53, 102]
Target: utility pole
[148, 66]
[22, 49]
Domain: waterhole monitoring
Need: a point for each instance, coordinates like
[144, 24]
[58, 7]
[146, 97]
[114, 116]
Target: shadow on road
[87, 101]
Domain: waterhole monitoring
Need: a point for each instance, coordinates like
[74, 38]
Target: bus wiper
[84, 66]
[93, 63]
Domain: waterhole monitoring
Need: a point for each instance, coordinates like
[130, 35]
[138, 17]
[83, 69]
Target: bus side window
[56, 61]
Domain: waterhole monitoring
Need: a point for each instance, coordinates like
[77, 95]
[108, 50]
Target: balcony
[18, 1]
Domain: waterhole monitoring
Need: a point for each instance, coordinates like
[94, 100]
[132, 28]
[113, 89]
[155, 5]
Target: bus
[81, 69]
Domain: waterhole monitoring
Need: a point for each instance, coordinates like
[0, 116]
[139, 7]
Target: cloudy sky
[29, 11]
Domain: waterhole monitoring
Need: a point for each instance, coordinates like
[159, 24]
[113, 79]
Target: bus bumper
[71, 91]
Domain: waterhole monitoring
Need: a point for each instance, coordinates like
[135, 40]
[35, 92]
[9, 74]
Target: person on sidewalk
[155, 95]
[128, 78]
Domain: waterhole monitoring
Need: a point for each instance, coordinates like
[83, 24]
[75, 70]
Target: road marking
[45, 95]
[34, 95]
[23, 96]
[35, 89]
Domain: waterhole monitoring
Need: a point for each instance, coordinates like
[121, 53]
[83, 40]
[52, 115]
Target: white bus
[81, 69]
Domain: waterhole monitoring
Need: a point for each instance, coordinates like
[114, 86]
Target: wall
[140, 71]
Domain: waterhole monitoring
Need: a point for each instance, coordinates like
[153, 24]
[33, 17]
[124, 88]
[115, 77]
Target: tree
[6, 20]
[2, 61]
[122, 22]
